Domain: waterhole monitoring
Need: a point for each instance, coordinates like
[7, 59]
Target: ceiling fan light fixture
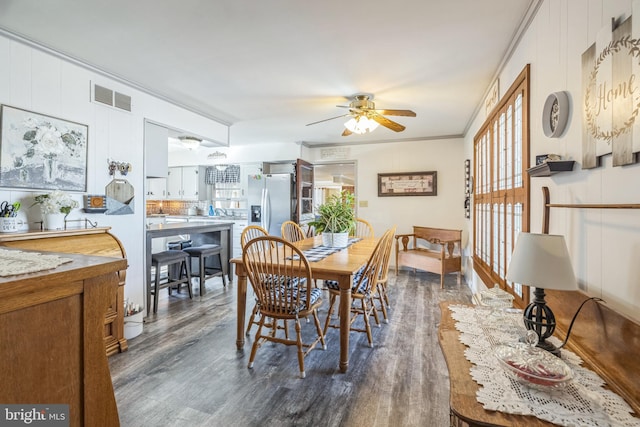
[361, 124]
[190, 142]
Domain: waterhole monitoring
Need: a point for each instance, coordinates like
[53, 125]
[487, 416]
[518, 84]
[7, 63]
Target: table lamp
[541, 260]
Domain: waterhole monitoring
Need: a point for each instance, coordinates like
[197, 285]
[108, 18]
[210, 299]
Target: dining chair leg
[373, 310]
[383, 306]
[299, 344]
[386, 297]
[332, 301]
[256, 342]
[156, 293]
[367, 326]
[316, 320]
[252, 319]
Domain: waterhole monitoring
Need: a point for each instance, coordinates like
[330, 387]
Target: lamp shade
[542, 260]
[361, 124]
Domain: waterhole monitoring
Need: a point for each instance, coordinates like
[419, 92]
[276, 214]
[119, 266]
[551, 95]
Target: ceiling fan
[365, 117]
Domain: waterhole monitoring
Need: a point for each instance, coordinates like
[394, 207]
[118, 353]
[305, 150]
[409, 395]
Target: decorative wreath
[633, 48]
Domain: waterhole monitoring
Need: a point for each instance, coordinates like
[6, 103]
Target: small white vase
[335, 240]
[54, 221]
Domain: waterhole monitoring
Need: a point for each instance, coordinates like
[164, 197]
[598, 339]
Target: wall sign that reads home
[611, 95]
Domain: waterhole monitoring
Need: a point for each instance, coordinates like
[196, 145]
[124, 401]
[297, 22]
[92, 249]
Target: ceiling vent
[111, 98]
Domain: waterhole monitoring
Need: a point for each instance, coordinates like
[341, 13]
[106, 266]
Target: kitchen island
[200, 232]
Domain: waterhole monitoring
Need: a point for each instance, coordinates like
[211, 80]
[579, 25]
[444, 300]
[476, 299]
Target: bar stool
[174, 270]
[203, 252]
[169, 258]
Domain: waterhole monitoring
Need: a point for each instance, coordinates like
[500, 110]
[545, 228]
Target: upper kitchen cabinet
[156, 188]
[186, 183]
[156, 150]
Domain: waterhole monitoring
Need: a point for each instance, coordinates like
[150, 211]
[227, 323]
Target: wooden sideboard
[90, 241]
[609, 330]
[51, 339]
[465, 410]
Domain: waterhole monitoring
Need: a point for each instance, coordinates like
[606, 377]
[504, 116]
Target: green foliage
[336, 215]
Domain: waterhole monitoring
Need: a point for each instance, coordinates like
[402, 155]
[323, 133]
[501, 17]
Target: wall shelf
[551, 167]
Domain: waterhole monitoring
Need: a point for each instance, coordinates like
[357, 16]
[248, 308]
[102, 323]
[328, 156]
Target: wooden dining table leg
[345, 320]
[242, 305]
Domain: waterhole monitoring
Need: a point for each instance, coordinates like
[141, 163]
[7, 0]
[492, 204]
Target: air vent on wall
[122, 101]
[103, 95]
[111, 98]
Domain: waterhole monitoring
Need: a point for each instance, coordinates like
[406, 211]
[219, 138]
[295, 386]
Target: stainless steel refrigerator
[271, 200]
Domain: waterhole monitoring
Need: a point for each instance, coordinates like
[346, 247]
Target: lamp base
[549, 347]
[539, 318]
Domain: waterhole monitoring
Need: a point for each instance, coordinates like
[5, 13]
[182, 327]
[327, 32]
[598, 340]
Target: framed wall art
[42, 152]
[407, 184]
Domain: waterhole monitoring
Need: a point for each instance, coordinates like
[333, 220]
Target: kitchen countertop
[199, 217]
[191, 226]
[206, 218]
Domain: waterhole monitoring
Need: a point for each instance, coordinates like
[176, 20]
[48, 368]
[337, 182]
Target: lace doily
[584, 402]
[13, 262]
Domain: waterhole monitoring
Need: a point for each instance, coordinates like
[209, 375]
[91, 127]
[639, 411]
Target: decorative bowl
[533, 366]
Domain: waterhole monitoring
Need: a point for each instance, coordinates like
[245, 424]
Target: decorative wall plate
[555, 114]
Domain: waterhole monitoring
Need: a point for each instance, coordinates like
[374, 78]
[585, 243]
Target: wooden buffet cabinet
[88, 241]
[51, 339]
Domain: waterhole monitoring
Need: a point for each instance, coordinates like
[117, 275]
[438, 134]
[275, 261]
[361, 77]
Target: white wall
[604, 244]
[445, 156]
[36, 80]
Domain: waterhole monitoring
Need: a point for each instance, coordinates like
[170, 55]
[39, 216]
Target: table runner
[321, 252]
[13, 262]
[584, 402]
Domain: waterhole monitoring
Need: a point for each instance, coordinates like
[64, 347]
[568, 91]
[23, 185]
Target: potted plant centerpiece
[55, 207]
[336, 219]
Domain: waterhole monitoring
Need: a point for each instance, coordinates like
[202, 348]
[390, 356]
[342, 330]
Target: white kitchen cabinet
[156, 188]
[174, 183]
[186, 183]
[238, 227]
[156, 150]
[247, 169]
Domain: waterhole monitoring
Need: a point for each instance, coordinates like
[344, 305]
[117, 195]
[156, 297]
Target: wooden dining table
[339, 266]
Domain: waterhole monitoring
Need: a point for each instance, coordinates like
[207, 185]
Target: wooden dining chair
[363, 289]
[381, 296]
[363, 228]
[251, 232]
[292, 232]
[281, 279]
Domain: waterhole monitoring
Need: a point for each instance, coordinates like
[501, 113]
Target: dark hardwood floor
[184, 369]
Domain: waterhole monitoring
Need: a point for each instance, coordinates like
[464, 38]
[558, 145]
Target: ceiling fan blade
[346, 132]
[397, 127]
[326, 120]
[407, 113]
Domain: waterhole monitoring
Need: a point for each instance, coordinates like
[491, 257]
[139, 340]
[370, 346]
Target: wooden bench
[436, 250]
